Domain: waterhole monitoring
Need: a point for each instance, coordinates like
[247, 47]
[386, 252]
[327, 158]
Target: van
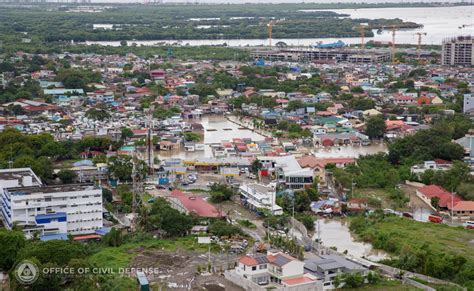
[468, 224]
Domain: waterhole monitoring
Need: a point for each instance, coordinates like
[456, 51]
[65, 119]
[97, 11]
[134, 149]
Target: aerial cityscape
[207, 145]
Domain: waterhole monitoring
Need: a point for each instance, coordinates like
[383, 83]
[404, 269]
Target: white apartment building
[256, 196]
[287, 171]
[48, 210]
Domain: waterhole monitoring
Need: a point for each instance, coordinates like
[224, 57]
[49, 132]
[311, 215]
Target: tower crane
[362, 27]
[392, 52]
[418, 49]
[270, 28]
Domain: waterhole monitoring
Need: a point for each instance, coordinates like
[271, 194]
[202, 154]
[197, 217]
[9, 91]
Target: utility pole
[150, 157]
[136, 188]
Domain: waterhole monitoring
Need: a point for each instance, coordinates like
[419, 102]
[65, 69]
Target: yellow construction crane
[270, 27]
[392, 52]
[418, 49]
[362, 27]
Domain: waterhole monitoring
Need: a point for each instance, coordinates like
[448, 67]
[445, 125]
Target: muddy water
[335, 233]
[349, 151]
[216, 129]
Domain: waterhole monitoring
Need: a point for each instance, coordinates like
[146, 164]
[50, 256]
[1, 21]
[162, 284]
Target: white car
[468, 224]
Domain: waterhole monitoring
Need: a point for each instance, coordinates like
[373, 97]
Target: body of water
[335, 233]
[438, 22]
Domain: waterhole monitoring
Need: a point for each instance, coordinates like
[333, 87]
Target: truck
[435, 219]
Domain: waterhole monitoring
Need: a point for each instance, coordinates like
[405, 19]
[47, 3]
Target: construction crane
[362, 27]
[418, 49]
[270, 28]
[392, 52]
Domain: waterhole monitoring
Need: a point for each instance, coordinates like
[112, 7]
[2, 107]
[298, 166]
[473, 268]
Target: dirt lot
[178, 270]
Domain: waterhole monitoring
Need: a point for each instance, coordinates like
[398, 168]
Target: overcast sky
[276, 1]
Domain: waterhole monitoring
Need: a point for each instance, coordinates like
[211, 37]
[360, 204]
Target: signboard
[204, 240]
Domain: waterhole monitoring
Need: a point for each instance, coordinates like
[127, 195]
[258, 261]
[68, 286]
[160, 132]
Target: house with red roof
[446, 199]
[464, 209]
[278, 271]
[188, 203]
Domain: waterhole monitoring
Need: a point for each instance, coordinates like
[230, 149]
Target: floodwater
[438, 22]
[349, 151]
[335, 233]
[216, 130]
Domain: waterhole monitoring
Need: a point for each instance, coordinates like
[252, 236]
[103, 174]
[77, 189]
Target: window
[254, 268]
[264, 266]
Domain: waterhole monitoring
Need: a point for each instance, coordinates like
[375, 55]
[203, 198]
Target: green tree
[67, 176]
[435, 202]
[375, 126]
[11, 242]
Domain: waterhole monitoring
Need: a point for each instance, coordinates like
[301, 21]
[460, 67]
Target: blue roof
[58, 236]
[51, 216]
[62, 91]
[83, 163]
[103, 231]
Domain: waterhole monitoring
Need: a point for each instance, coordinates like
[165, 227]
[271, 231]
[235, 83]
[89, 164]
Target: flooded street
[216, 130]
[335, 233]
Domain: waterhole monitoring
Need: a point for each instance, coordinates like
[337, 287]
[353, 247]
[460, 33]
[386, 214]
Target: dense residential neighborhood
[172, 166]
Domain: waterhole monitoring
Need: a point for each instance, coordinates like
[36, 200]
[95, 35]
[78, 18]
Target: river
[438, 22]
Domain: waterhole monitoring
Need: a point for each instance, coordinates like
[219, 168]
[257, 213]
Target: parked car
[468, 224]
[435, 219]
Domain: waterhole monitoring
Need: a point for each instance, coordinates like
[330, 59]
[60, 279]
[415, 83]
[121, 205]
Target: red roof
[248, 261]
[140, 131]
[197, 205]
[297, 280]
[87, 236]
[446, 198]
[464, 206]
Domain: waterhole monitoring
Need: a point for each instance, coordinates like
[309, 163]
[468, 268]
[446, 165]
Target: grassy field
[439, 236]
[120, 257]
[386, 286]
[380, 194]
[436, 250]
[436, 286]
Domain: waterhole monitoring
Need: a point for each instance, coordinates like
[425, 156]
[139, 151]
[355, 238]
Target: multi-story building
[468, 104]
[257, 196]
[276, 271]
[48, 210]
[287, 171]
[458, 51]
[327, 267]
